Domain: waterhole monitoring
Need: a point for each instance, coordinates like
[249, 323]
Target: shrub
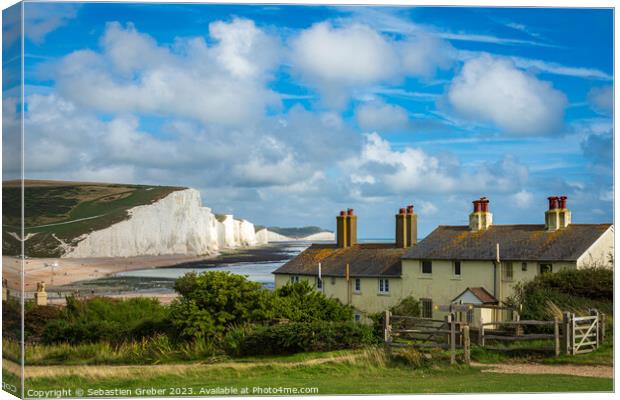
[300, 302]
[299, 337]
[92, 320]
[568, 290]
[213, 300]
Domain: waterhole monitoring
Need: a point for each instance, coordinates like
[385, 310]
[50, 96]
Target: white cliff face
[319, 236]
[176, 224]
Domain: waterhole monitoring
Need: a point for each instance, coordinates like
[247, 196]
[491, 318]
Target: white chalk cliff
[176, 224]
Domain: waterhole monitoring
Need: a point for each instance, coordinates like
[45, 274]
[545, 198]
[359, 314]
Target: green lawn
[337, 377]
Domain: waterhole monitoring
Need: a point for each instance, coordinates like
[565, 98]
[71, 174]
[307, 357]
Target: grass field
[344, 372]
[67, 210]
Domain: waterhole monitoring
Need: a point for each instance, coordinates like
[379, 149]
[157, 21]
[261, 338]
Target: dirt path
[111, 371]
[597, 371]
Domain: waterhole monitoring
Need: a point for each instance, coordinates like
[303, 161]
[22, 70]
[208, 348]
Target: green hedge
[297, 337]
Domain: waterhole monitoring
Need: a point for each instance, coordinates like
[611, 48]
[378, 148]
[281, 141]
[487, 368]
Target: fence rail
[571, 335]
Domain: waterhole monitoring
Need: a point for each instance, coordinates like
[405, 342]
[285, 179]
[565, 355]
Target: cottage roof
[516, 243]
[365, 260]
[480, 293]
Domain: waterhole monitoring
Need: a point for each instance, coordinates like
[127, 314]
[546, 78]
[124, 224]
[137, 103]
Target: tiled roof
[367, 259]
[480, 293]
[516, 242]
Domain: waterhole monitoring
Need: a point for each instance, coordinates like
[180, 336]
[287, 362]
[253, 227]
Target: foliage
[300, 302]
[570, 290]
[213, 300]
[97, 319]
[409, 306]
[298, 337]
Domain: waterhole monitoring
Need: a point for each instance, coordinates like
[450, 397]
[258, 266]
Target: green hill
[297, 232]
[57, 211]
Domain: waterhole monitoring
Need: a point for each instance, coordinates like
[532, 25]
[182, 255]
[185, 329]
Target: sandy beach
[70, 270]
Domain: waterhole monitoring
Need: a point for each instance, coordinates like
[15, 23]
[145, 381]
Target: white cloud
[380, 116]
[381, 171]
[340, 60]
[523, 199]
[602, 99]
[40, 19]
[422, 55]
[493, 90]
[223, 83]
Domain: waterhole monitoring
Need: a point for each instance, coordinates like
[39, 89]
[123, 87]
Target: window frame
[427, 302]
[429, 263]
[357, 285]
[524, 266]
[460, 265]
[384, 286]
[541, 265]
[508, 266]
[294, 278]
[319, 283]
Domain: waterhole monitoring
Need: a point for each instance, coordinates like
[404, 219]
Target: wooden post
[566, 338]
[387, 332]
[481, 335]
[556, 335]
[594, 312]
[452, 338]
[603, 319]
[466, 345]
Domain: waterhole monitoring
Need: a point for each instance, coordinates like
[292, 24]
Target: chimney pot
[476, 205]
[402, 211]
[553, 202]
[350, 211]
[410, 209]
[563, 202]
[343, 213]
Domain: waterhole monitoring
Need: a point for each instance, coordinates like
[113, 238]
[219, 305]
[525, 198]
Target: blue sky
[286, 114]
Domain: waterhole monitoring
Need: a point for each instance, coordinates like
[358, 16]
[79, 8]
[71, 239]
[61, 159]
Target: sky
[284, 115]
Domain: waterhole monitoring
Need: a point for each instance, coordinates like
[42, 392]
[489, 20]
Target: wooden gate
[585, 333]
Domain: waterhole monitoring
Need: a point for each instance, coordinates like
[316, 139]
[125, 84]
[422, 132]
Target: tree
[210, 302]
[300, 302]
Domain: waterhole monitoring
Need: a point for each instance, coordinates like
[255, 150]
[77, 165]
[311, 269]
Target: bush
[568, 290]
[300, 302]
[298, 337]
[105, 319]
[213, 300]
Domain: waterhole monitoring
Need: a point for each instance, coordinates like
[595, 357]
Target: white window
[294, 279]
[508, 272]
[456, 269]
[427, 308]
[384, 285]
[319, 283]
[427, 267]
[470, 316]
[358, 285]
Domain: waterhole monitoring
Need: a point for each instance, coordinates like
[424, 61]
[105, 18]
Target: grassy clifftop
[56, 212]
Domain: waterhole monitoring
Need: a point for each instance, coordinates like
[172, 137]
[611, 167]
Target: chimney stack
[412, 226]
[558, 216]
[346, 228]
[480, 219]
[406, 227]
[351, 224]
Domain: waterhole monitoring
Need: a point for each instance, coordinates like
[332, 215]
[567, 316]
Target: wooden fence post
[452, 338]
[466, 345]
[566, 337]
[481, 336]
[594, 312]
[387, 324]
[556, 336]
